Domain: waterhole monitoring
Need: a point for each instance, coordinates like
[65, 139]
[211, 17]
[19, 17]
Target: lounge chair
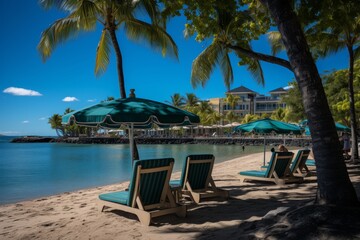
[298, 166]
[278, 170]
[196, 181]
[149, 194]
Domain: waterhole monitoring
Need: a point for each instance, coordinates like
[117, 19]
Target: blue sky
[32, 91]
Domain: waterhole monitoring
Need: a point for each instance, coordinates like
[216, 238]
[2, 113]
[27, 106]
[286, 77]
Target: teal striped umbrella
[138, 112]
[132, 113]
[268, 125]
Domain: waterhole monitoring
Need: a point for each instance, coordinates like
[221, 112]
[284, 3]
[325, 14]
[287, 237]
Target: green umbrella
[132, 113]
[268, 125]
[339, 127]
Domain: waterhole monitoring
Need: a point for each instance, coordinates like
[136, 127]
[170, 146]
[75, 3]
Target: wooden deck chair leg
[242, 180]
[219, 191]
[195, 197]
[144, 218]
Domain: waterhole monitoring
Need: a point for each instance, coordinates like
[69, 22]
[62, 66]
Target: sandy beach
[76, 215]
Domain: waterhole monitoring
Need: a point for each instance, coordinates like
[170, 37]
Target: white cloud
[288, 87]
[70, 99]
[26, 121]
[43, 118]
[21, 92]
[91, 100]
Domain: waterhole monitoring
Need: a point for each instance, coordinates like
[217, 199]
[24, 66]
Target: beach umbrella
[339, 127]
[266, 126]
[131, 113]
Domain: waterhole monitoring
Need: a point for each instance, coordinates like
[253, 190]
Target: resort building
[249, 102]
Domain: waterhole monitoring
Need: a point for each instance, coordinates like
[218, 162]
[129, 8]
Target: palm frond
[156, 36]
[274, 38]
[58, 32]
[253, 66]
[66, 5]
[152, 9]
[226, 69]
[103, 53]
[204, 64]
[325, 43]
[86, 13]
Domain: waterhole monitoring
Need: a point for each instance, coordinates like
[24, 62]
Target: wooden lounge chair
[196, 181]
[149, 194]
[278, 170]
[298, 166]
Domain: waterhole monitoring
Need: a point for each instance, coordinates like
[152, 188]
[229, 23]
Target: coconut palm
[279, 114]
[191, 101]
[231, 117]
[333, 180]
[112, 15]
[249, 118]
[176, 100]
[55, 123]
[217, 53]
[331, 30]
[231, 100]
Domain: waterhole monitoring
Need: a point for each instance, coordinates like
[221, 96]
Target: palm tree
[279, 114]
[331, 30]
[191, 101]
[333, 180]
[213, 117]
[217, 53]
[176, 100]
[231, 117]
[68, 110]
[232, 100]
[249, 118]
[55, 123]
[112, 15]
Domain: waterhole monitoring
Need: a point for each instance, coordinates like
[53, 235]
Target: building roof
[280, 89]
[241, 89]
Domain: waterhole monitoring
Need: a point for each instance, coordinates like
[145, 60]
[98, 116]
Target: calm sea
[33, 170]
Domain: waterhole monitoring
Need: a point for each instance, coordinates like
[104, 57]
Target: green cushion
[310, 162]
[175, 183]
[254, 173]
[151, 184]
[116, 197]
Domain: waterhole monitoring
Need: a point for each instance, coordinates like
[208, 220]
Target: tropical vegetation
[218, 19]
[112, 15]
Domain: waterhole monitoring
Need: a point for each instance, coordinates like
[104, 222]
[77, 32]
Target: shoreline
[76, 215]
[258, 141]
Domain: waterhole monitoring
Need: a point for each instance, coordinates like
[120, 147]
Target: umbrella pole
[131, 140]
[264, 149]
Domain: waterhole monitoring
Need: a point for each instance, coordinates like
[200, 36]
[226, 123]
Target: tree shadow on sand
[284, 214]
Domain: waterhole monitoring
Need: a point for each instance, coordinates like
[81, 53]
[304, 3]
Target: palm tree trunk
[334, 186]
[354, 145]
[111, 27]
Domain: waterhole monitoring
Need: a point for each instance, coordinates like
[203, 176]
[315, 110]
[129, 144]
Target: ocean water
[33, 170]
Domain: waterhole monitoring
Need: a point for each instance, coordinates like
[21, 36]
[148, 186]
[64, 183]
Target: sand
[76, 215]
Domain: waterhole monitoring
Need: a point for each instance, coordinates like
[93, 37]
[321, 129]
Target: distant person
[243, 147]
[282, 148]
[346, 147]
